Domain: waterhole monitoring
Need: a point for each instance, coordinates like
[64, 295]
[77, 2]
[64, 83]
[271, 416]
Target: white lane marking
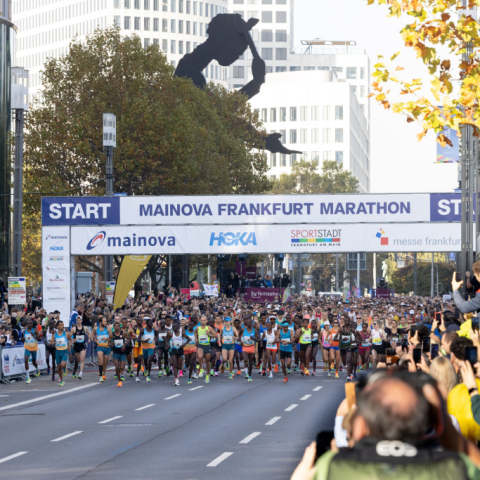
[195, 388]
[291, 407]
[10, 457]
[173, 396]
[4, 395]
[273, 420]
[26, 402]
[250, 437]
[66, 436]
[219, 459]
[111, 419]
[146, 406]
[316, 389]
[306, 397]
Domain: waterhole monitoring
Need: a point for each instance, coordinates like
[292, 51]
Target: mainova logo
[230, 239]
[96, 240]
[56, 237]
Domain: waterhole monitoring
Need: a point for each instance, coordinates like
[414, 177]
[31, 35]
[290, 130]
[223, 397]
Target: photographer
[466, 306]
[400, 427]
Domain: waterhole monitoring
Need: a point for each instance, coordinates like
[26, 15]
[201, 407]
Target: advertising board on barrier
[251, 209]
[260, 295]
[13, 360]
[211, 239]
[17, 290]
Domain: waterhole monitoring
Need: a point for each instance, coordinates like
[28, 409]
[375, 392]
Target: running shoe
[159, 373]
[212, 372]
[207, 379]
[53, 378]
[329, 373]
[239, 372]
[104, 377]
[257, 366]
[101, 379]
[307, 372]
[29, 380]
[48, 371]
[115, 377]
[222, 368]
[347, 380]
[302, 373]
[129, 369]
[200, 373]
[145, 373]
[263, 372]
[189, 381]
[325, 368]
[119, 384]
[275, 369]
[194, 375]
[164, 373]
[148, 378]
[260, 372]
[350, 377]
[122, 378]
[285, 380]
[176, 383]
[230, 376]
[37, 373]
[250, 379]
[132, 375]
[74, 375]
[142, 369]
[295, 369]
[180, 373]
[289, 371]
[341, 369]
[80, 376]
[332, 367]
[246, 376]
[216, 374]
[354, 375]
[314, 372]
[271, 375]
[62, 383]
[137, 379]
[336, 374]
[64, 371]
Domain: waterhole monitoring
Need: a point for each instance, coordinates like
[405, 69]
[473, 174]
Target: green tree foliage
[305, 178]
[402, 278]
[172, 137]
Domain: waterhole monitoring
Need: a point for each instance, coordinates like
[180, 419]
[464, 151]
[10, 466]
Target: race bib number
[118, 343]
[247, 340]
[80, 338]
[203, 339]
[315, 336]
[228, 340]
[102, 339]
[29, 338]
[365, 344]
[307, 338]
[162, 336]
[377, 340]
[61, 342]
[177, 343]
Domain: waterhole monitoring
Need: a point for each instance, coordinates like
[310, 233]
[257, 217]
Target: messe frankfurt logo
[96, 240]
[381, 236]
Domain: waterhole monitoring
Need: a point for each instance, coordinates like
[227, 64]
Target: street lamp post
[109, 143]
[20, 105]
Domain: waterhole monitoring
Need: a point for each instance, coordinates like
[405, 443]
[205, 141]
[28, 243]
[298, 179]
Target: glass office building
[7, 43]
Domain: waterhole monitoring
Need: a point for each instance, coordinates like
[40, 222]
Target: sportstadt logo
[383, 239]
[96, 240]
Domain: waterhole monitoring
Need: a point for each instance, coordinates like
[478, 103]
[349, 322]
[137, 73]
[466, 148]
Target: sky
[398, 162]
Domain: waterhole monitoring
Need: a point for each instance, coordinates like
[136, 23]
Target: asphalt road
[93, 430]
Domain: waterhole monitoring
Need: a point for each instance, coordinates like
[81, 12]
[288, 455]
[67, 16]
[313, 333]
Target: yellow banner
[131, 268]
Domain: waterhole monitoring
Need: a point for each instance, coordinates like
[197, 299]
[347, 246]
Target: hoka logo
[230, 239]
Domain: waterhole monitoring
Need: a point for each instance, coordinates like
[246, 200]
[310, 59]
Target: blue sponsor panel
[81, 211]
[446, 207]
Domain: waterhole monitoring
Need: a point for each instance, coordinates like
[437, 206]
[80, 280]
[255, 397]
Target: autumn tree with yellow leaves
[445, 37]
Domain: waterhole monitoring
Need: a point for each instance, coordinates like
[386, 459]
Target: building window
[280, 53]
[172, 26]
[362, 106]
[293, 159]
[116, 20]
[155, 24]
[273, 160]
[283, 114]
[264, 114]
[156, 6]
[238, 72]
[281, 17]
[164, 25]
[315, 135]
[180, 6]
[188, 47]
[303, 135]
[306, 69]
[362, 91]
[146, 24]
[252, 14]
[136, 4]
[267, 35]
[146, 4]
[126, 3]
[201, 29]
[156, 41]
[188, 7]
[267, 17]
[281, 35]
[339, 157]
[201, 9]
[293, 114]
[354, 88]
[281, 2]
[180, 47]
[172, 46]
[165, 45]
[165, 6]
[267, 53]
[337, 69]
[326, 135]
[303, 114]
[351, 73]
[280, 69]
[180, 26]
[238, 2]
[173, 6]
[283, 160]
[283, 138]
[326, 113]
[324, 68]
[116, 4]
[327, 155]
[268, 69]
[273, 115]
[339, 135]
[293, 136]
[266, 2]
[188, 28]
[338, 112]
[315, 116]
[137, 23]
[295, 69]
[194, 28]
[315, 157]
[362, 73]
[146, 43]
[126, 23]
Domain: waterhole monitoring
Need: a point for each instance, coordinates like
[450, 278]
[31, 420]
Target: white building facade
[46, 27]
[319, 116]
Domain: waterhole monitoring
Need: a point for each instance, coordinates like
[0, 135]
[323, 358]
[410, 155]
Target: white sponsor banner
[211, 239]
[56, 279]
[110, 291]
[268, 209]
[13, 360]
[211, 290]
[17, 290]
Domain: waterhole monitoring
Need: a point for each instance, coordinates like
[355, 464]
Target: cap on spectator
[412, 312]
[269, 306]
[326, 323]
[307, 317]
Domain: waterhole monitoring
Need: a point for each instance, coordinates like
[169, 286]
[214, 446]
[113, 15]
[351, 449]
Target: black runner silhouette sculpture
[228, 38]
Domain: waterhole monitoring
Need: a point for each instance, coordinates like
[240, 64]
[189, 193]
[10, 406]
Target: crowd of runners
[208, 337]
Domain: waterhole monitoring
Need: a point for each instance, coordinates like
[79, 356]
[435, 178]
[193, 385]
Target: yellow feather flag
[131, 268]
